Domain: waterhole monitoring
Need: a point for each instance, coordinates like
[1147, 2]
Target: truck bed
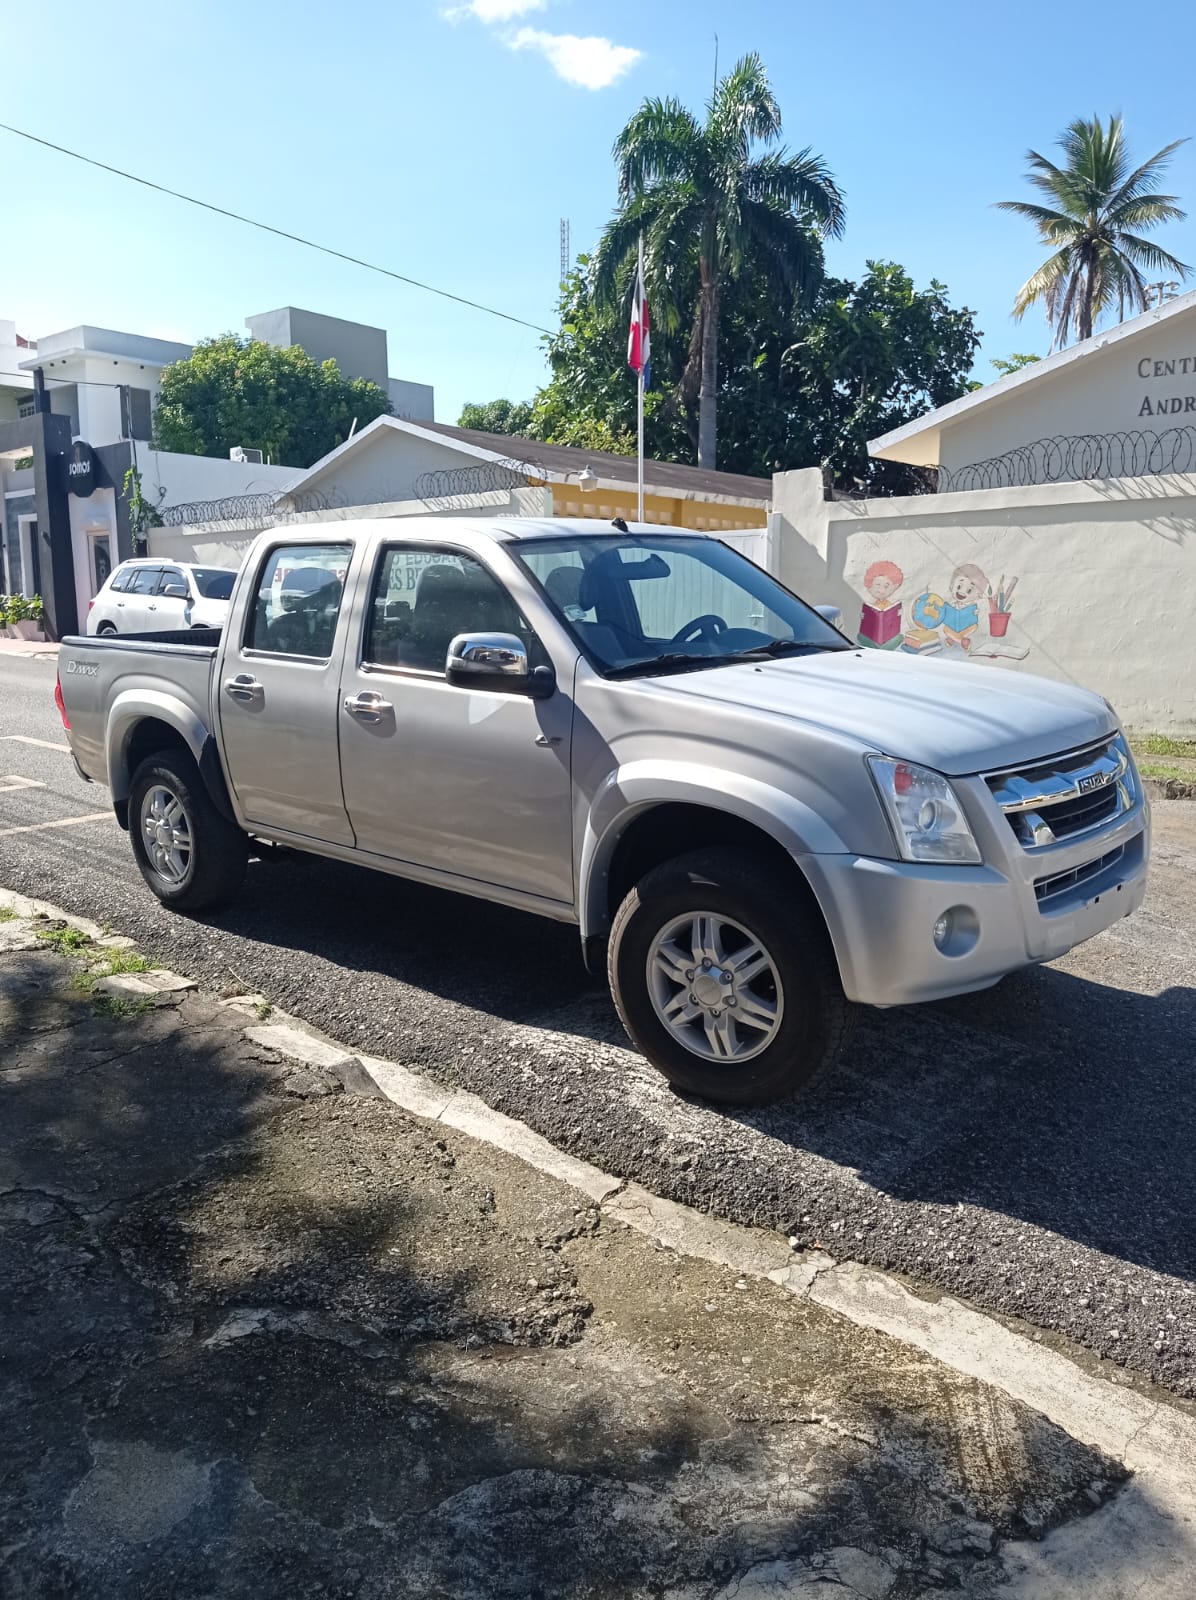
[94, 672]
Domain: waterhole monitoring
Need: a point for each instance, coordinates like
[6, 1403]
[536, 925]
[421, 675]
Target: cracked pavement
[263, 1335]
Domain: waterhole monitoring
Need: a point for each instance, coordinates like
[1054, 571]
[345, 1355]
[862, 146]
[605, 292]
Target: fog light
[943, 928]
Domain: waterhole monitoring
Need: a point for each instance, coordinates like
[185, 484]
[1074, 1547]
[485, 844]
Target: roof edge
[1061, 360]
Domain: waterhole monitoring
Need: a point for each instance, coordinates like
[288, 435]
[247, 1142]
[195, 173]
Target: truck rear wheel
[192, 857]
[727, 984]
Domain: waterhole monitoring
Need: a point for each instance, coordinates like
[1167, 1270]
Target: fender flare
[631, 791]
[133, 707]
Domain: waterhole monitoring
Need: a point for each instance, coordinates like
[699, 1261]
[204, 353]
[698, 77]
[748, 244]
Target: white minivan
[155, 596]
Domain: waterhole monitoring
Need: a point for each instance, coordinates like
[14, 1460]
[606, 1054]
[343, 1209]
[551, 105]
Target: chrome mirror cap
[487, 655]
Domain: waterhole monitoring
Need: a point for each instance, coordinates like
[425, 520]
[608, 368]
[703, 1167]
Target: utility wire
[265, 227]
[83, 383]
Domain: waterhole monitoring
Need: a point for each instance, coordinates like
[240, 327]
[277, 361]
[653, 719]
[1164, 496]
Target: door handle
[369, 707]
[243, 688]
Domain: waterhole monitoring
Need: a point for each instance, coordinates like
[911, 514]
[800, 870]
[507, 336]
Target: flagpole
[640, 407]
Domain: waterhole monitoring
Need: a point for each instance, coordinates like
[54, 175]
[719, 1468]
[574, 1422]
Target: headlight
[927, 818]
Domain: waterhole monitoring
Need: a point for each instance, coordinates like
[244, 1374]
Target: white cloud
[591, 63]
[494, 10]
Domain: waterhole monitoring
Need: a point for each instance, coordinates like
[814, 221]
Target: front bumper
[881, 914]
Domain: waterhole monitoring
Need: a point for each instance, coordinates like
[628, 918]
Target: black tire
[218, 850]
[815, 1017]
[105, 630]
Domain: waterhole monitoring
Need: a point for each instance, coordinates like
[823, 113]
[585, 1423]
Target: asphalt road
[1032, 1149]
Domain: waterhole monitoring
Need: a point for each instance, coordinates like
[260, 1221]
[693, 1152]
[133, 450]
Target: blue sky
[448, 143]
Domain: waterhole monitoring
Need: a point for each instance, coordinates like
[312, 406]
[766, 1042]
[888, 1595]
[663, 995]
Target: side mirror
[176, 591]
[495, 661]
[831, 614]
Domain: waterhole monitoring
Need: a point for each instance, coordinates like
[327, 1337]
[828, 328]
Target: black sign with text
[79, 469]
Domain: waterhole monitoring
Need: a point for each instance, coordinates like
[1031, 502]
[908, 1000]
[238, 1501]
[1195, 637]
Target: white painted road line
[63, 822]
[10, 780]
[42, 744]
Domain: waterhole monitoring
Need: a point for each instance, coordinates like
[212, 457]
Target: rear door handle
[244, 688]
[367, 707]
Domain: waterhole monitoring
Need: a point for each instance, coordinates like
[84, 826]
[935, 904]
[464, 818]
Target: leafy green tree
[497, 416]
[709, 206]
[805, 388]
[871, 357]
[590, 399]
[1013, 363]
[233, 391]
[1096, 211]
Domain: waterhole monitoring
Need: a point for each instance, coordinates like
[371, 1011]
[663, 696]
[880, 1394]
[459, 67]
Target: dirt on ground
[266, 1336]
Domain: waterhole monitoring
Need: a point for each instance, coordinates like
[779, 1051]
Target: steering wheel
[707, 626]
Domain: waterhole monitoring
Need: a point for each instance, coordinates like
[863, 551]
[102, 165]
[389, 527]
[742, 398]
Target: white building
[16, 386]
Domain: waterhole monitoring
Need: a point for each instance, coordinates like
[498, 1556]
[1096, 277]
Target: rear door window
[145, 580]
[170, 575]
[298, 600]
[121, 579]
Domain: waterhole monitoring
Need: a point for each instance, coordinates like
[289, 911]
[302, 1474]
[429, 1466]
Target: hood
[953, 716]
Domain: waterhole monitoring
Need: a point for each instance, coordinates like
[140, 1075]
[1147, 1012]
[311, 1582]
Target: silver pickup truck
[752, 822]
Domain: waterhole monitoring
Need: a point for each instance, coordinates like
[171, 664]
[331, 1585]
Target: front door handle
[244, 688]
[367, 707]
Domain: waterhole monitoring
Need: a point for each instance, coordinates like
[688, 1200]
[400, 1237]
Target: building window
[27, 408]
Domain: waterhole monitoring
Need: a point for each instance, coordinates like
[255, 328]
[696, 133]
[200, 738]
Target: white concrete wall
[187, 478]
[1106, 579]
[217, 546]
[386, 466]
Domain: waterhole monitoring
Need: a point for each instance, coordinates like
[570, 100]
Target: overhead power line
[265, 227]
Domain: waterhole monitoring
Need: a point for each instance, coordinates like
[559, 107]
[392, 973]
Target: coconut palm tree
[707, 205]
[1097, 211]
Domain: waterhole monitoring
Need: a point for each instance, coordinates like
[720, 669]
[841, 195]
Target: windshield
[214, 583]
[640, 603]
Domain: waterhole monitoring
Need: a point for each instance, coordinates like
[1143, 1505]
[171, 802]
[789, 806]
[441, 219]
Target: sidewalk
[267, 1334]
[28, 647]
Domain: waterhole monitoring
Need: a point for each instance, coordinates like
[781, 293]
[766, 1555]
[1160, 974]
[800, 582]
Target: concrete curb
[1147, 1531]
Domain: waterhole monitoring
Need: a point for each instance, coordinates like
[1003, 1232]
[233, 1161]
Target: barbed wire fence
[447, 489]
[1072, 458]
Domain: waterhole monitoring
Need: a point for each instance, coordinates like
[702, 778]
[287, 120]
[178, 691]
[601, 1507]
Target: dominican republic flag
[639, 340]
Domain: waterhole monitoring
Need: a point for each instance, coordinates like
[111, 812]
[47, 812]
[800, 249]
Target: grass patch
[126, 961]
[264, 1009]
[65, 940]
[115, 1006]
[6, 914]
[1162, 744]
[1151, 769]
[119, 961]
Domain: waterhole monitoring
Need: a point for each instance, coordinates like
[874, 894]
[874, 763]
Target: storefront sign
[81, 477]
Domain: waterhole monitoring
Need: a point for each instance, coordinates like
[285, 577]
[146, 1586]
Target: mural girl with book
[880, 616]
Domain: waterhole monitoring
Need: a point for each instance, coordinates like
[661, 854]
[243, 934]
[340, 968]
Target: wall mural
[968, 621]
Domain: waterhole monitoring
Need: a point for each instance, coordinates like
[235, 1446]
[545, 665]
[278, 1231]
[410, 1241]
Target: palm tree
[707, 206]
[1097, 209]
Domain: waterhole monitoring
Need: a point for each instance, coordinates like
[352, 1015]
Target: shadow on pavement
[1053, 1099]
[265, 1338]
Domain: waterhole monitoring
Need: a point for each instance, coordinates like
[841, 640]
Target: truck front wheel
[725, 981]
[191, 856]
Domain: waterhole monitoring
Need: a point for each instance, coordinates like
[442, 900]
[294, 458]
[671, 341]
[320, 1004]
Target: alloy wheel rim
[715, 987]
[166, 830]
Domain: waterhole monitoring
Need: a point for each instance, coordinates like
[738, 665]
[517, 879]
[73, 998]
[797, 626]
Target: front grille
[1085, 811]
[1067, 796]
[1060, 882]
